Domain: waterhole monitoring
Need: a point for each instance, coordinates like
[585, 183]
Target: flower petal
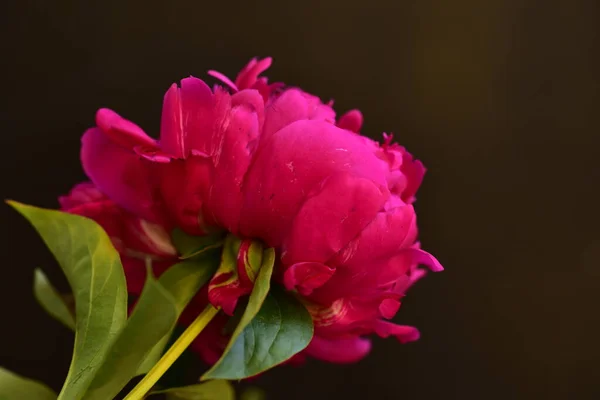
[121, 131]
[339, 351]
[249, 74]
[293, 105]
[422, 257]
[389, 307]
[294, 163]
[80, 194]
[224, 79]
[182, 185]
[121, 175]
[306, 276]
[230, 164]
[351, 121]
[403, 333]
[389, 232]
[187, 115]
[329, 220]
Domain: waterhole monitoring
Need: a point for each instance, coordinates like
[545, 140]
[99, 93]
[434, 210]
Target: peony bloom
[270, 165]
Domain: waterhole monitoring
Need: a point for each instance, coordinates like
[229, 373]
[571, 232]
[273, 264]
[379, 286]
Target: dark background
[498, 98]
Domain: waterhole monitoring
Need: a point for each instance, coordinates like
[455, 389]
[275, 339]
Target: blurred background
[499, 99]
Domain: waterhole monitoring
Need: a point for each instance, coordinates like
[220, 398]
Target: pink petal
[293, 164]
[329, 220]
[381, 246]
[293, 105]
[230, 162]
[182, 186]
[306, 276]
[403, 333]
[187, 114]
[422, 257]
[414, 170]
[226, 295]
[82, 193]
[224, 79]
[351, 121]
[146, 237]
[405, 282]
[389, 232]
[207, 124]
[121, 131]
[152, 154]
[253, 101]
[105, 212]
[247, 77]
[121, 175]
[389, 307]
[341, 351]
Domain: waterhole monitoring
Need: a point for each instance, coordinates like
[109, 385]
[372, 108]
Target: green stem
[182, 343]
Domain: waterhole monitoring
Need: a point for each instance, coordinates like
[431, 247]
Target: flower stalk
[171, 355]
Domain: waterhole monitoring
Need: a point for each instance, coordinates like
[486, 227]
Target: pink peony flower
[269, 164]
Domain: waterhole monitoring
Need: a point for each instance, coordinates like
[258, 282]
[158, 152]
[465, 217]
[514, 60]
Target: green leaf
[16, 387]
[191, 246]
[51, 300]
[213, 390]
[153, 317]
[274, 327]
[95, 274]
[182, 280]
[150, 324]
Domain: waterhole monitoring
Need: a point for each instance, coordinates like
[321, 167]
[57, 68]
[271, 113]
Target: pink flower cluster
[269, 163]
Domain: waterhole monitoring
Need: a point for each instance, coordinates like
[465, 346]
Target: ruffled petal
[249, 74]
[330, 219]
[292, 165]
[414, 170]
[294, 105]
[306, 276]
[389, 232]
[252, 101]
[230, 163]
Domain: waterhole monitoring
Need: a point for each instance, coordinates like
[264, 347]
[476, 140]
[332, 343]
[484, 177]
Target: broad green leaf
[16, 387]
[190, 246]
[150, 324]
[95, 274]
[274, 327]
[51, 300]
[282, 328]
[262, 285]
[153, 317]
[183, 280]
[213, 390]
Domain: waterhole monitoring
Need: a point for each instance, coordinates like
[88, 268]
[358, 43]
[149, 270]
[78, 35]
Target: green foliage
[273, 328]
[16, 387]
